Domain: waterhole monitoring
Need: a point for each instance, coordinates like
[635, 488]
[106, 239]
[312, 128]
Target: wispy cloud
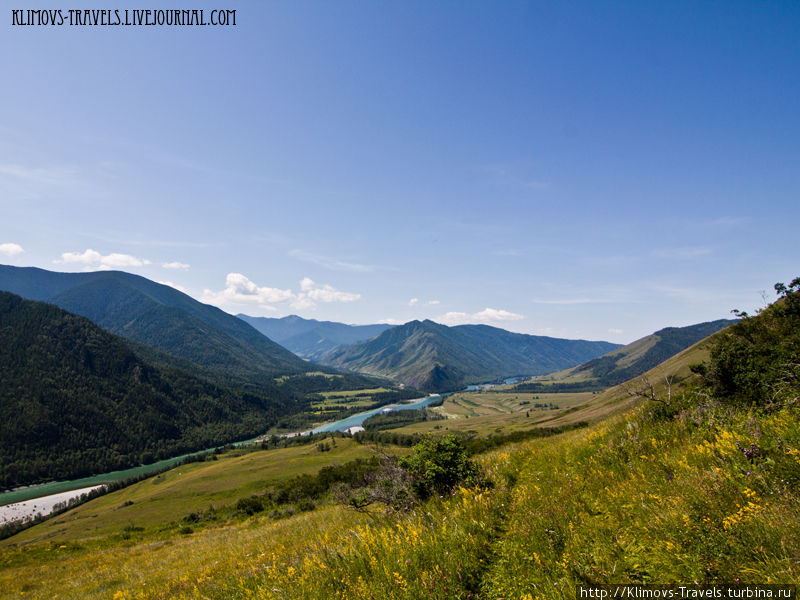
[516, 175]
[93, 259]
[175, 265]
[729, 221]
[25, 182]
[413, 302]
[11, 249]
[486, 316]
[50, 176]
[330, 262]
[153, 243]
[693, 294]
[240, 290]
[570, 301]
[390, 321]
[684, 253]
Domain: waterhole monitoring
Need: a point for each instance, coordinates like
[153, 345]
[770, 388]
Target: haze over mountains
[434, 357]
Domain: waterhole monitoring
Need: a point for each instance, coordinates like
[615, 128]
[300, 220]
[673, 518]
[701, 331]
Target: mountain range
[630, 361]
[309, 338]
[433, 357]
[160, 318]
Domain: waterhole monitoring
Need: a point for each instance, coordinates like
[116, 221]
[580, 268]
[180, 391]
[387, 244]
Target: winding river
[59, 489]
[359, 418]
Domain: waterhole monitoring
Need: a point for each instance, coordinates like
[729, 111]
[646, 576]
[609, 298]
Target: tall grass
[707, 494]
[697, 492]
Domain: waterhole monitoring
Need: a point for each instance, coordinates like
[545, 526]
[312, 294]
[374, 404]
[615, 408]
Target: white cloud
[454, 318]
[175, 265]
[416, 301]
[325, 293]
[493, 314]
[93, 258]
[306, 283]
[615, 331]
[486, 316]
[11, 249]
[180, 288]
[389, 321]
[241, 290]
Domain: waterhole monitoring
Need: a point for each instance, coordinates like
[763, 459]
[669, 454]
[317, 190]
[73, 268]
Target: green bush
[437, 465]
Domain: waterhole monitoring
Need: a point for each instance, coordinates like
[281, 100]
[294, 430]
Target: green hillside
[158, 316]
[430, 356]
[172, 330]
[75, 400]
[629, 361]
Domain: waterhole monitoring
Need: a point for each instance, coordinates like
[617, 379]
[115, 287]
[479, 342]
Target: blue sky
[583, 170]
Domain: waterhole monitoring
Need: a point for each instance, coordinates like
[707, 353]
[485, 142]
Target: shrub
[250, 506]
[437, 465]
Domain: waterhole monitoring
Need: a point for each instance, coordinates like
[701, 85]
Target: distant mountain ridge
[310, 338]
[433, 357]
[160, 317]
[639, 356]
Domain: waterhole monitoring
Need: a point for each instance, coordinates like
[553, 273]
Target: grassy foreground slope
[638, 499]
[701, 490]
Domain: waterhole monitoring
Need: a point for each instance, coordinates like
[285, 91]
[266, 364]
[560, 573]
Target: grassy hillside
[632, 360]
[434, 357]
